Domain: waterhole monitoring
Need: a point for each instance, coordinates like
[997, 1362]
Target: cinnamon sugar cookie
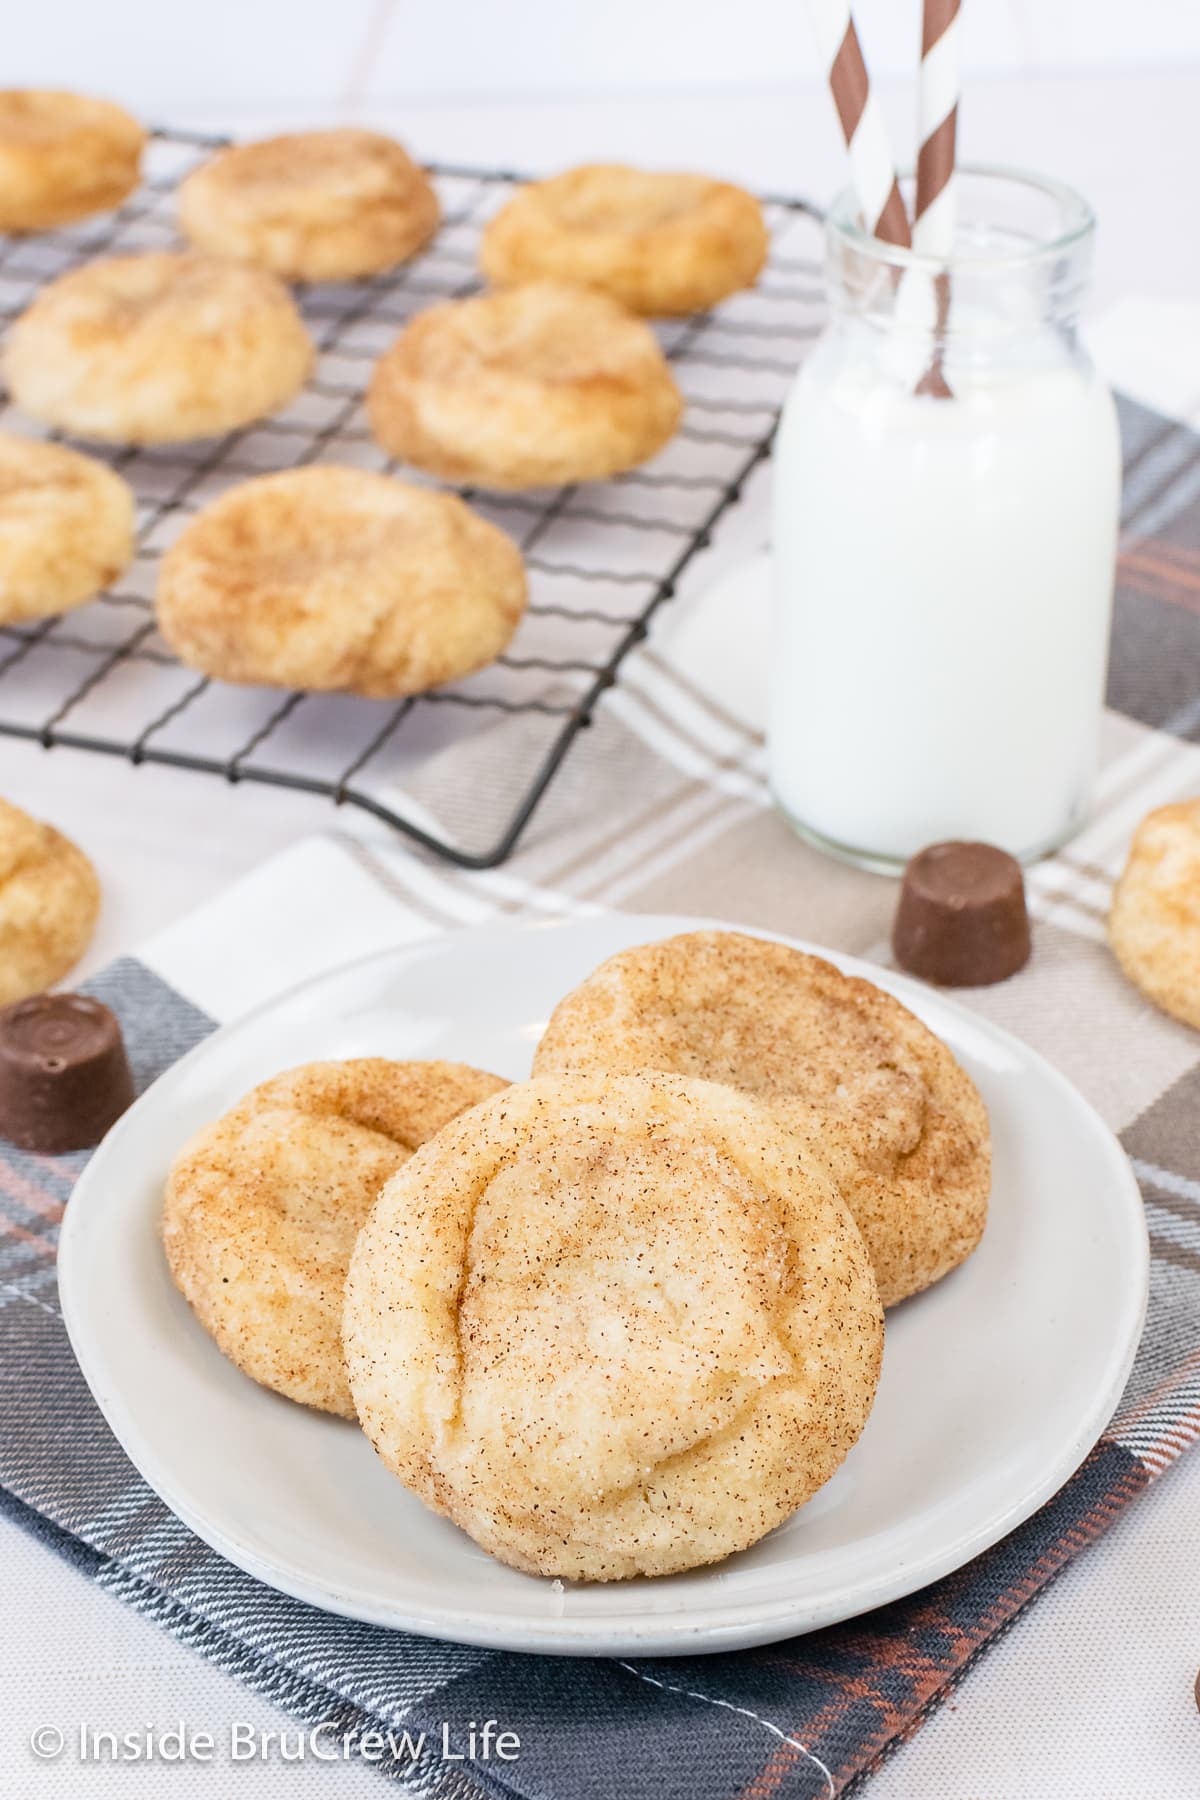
[157, 348]
[312, 205]
[63, 157]
[658, 243]
[262, 1208]
[537, 385]
[1154, 925]
[49, 900]
[838, 1060]
[331, 578]
[612, 1327]
[66, 528]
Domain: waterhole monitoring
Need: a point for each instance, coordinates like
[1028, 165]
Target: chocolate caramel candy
[64, 1075]
[962, 921]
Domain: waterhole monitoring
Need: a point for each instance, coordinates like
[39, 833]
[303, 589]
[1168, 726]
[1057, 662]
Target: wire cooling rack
[602, 558]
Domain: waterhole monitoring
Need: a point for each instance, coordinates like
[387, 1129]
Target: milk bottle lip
[1075, 223]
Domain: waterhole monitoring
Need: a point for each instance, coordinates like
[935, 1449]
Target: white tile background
[333, 55]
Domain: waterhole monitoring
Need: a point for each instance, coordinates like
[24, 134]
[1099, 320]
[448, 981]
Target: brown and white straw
[871, 164]
[934, 210]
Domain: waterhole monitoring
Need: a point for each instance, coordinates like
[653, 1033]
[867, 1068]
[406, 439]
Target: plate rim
[676, 1632]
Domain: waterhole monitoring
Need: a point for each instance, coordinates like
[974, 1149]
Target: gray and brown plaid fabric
[663, 808]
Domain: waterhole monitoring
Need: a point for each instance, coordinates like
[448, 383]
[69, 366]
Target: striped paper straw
[871, 165]
[933, 211]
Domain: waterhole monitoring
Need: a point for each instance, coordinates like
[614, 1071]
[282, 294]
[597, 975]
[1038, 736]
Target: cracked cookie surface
[839, 1061]
[63, 157]
[157, 348]
[49, 901]
[263, 1206]
[339, 579]
[536, 385]
[658, 242]
[613, 1327]
[66, 528]
[311, 205]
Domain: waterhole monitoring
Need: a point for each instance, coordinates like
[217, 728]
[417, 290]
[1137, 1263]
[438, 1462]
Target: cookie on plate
[311, 205]
[1154, 924]
[613, 1326]
[66, 528]
[658, 243]
[262, 1208]
[157, 348]
[63, 157]
[900, 1123]
[335, 578]
[537, 385]
[49, 901]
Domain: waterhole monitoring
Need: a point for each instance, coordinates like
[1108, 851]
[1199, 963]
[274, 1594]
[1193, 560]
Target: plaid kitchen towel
[663, 808]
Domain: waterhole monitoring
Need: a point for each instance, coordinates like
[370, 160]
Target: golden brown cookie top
[613, 1325]
[63, 157]
[43, 117]
[1154, 924]
[834, 1056]
[344, 162]
[544, 332]
[157, 347]
[540, 384]
[66, 527]
[49, 901]
[658, 242]
[312, 205]
[603, 197]
[778, 1023]
[263, 1206]
[161, 291]
[339, 578]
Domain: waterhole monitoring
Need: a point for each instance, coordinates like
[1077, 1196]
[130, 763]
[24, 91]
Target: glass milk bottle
[943, 566]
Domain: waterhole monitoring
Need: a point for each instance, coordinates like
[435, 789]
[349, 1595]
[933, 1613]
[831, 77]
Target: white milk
[943, 588]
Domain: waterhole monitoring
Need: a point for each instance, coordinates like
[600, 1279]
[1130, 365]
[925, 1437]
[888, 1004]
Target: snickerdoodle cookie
[62, 157]
[536, 385]
[899, 1122]
[658, 243]
[312, 206]
[156, 348]
[262, 1208]
[66, 528]
[1154, 924]
[49, 899]
[334, 578]
[613, 1326]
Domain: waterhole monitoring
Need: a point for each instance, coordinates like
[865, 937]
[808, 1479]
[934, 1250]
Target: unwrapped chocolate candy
[962, 921]
[64, 1075]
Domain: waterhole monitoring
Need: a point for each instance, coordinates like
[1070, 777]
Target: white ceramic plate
[995, 1385]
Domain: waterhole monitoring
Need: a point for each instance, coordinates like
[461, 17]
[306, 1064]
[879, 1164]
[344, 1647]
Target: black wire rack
[602, 558]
